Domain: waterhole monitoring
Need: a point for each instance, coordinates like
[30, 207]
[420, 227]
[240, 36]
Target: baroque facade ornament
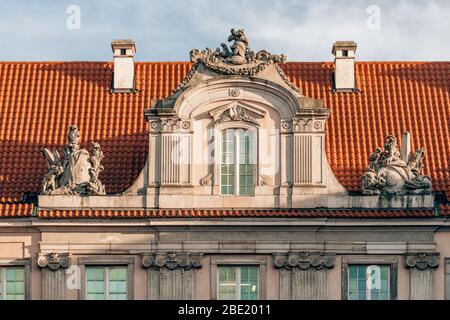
[237, 59]
[304, 260]
[388, 174]
[422, 261]
[207, 180]
[235, 113]
[53, 261]
[167, 125]
[172, 260]
[76, 172]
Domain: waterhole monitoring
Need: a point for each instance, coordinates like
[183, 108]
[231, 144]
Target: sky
[166, 30]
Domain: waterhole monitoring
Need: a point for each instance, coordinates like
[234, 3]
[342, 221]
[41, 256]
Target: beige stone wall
[123, 242]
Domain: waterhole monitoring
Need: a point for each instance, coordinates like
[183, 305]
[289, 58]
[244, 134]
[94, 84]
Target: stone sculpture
[238, 59]
[76, 171]
[388, 174]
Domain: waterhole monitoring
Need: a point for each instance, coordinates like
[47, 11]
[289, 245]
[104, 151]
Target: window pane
[249, 283]
[15, 283]
[227, 283]
[117, 283]
[358, 287]
[95, 286]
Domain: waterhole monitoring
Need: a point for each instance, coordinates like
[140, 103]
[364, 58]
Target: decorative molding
[304, 260]
[234, 93]
[53, 261]
[286, 126]
[302, 124]
[286, 80]
[388, 174]
[172, 260]
[169, 125]
[265, 180]
[188, 78]
[207, 180]
[236, 112]
[237, 59]
[422, 261]
[76, 171]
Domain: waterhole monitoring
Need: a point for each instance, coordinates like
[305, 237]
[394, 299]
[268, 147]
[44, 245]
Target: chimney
[123, 58]
[344, 62]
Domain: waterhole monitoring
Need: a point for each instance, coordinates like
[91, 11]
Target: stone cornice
[172, 260]
[422, 261]
[53, 261]
[304, 260]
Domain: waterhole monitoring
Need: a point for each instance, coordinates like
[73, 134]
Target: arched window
[238, 162]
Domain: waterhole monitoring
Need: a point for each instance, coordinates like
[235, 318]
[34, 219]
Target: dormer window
[238, 162]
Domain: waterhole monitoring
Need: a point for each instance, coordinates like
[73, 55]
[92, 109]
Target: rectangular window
[106, 283]
[12, 283]
[369, 282]
[238, 162]
[238, 282]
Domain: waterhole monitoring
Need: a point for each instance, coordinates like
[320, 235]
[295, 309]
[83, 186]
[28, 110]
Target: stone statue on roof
[76, 171]
[237, 59]
[388, 174]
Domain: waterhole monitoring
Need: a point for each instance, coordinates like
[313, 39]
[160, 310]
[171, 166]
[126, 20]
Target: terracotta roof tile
[225, 213]
[16, 210]
[445, 210]
[39, 100]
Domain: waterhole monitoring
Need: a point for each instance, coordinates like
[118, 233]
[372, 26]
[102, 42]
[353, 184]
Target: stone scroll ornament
[422, 261]
[304, 260]
[76, 171]
[172, 261]
[388, 174]
[237, 59]
[53, 261]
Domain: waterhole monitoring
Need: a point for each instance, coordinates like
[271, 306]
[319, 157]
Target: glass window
[12, 283]
[106, 283]
[238, 283]
[238, 162]
[368, 282]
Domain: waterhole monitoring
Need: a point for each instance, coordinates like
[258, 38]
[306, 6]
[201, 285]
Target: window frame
[107, 262]
[234, 261]
[392, 262]
[26, 265]
[238, 269]
[236, 143]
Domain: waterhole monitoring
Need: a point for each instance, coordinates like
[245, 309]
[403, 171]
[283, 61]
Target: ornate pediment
[237, 112]
[237, 59]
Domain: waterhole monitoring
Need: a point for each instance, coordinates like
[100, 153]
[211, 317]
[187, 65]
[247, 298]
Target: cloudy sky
[166, 30]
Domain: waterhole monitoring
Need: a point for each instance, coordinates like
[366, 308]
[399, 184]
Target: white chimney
[124, 51]
[344, 62]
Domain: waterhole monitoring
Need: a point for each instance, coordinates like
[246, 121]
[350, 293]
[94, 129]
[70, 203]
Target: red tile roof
[225, 213]
[16, 210]
[39, 100]
[445, 210]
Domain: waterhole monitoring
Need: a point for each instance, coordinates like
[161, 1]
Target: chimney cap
[123, 44]
[344, 45]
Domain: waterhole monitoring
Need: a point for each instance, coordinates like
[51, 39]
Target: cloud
[168, 30]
